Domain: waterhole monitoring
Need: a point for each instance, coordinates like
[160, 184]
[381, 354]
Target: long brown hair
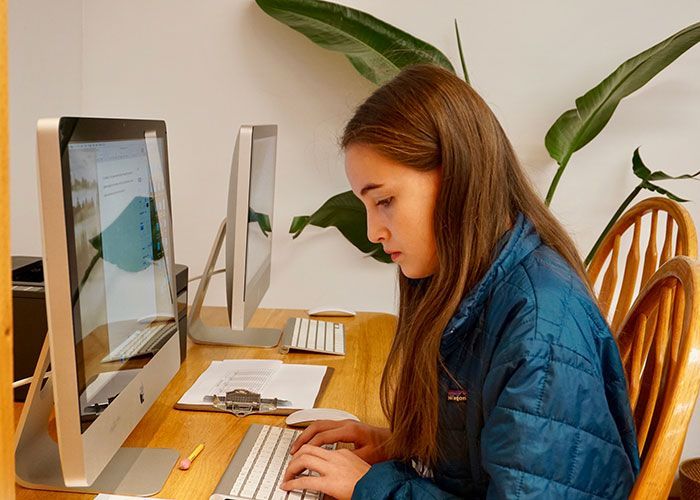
[427, 118]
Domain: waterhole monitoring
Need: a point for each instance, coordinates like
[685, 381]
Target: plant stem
[615, 216]
[555, 182]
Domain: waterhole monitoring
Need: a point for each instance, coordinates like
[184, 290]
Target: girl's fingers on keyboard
[338, 471]
[311, 431]
[341, 434]
[315, 451]
[303, 462]
[312, 483]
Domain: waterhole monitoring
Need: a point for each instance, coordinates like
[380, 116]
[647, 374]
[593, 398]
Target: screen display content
[123, 303]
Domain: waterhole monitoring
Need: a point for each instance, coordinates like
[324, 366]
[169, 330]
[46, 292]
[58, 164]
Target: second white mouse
[331, 311]
[304, 418]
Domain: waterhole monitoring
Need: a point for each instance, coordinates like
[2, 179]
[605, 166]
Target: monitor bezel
[84, 454]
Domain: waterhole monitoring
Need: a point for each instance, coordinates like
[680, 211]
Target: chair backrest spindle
[679, 237]
[651, 256]
[629, 279]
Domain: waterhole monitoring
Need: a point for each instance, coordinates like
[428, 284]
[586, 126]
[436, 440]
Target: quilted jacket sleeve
[549, 431]
[398, 481]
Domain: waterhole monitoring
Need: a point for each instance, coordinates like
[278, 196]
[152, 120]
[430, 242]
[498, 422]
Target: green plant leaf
[658, 175]
[653, 187]
[298, 224]
[644, 173]
[376, 49]
[638, 166]
[346, 213]
[577, 127]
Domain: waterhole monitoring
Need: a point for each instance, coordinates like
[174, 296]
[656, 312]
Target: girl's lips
[395, 255]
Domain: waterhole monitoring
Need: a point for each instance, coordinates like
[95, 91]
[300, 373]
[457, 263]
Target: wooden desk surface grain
[354, 387]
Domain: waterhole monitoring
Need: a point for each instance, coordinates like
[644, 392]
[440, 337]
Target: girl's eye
[385, 202]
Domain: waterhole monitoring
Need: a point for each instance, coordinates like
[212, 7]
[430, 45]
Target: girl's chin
[412, 273]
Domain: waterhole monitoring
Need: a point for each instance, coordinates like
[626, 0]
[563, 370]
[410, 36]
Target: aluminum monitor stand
[202, 333]
[132, 471]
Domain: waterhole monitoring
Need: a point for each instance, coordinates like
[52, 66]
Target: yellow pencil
[186, 462]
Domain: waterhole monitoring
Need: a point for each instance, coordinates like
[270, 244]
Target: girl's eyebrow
[369, 187]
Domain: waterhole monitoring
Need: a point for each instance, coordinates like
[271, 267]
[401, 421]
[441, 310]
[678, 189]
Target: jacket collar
[514, 246]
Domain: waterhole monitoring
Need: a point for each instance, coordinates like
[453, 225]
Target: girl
[503, 380]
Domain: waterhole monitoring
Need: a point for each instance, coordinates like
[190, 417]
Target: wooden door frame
[7, 421]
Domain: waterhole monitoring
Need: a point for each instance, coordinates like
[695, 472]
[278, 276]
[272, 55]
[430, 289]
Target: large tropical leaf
[346, 213]
[376, 49]
[577, 127]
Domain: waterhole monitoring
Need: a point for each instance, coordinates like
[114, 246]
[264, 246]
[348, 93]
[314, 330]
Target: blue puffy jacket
[546, 412]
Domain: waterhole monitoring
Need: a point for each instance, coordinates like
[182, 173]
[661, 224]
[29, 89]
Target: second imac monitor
[247, 230]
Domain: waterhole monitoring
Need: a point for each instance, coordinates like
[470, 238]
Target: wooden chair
[686, 243]
[660, 349]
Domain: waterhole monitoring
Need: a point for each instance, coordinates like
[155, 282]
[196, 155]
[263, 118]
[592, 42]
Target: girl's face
[400, 203]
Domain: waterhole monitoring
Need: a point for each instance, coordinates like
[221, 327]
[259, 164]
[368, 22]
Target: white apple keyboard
[257, 468]
[302, 334]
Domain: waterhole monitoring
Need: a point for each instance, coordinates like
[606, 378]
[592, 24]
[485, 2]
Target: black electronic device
[29, 315]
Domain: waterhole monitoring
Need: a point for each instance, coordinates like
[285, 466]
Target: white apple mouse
[331, 311]
[304, 418]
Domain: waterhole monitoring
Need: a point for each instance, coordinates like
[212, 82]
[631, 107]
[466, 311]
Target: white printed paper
[298, 384]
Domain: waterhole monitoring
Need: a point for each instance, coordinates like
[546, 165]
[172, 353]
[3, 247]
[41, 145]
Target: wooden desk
[354, 387]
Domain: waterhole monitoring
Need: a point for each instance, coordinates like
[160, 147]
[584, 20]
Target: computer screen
[123, 288]
[261, 192]
[108, 262]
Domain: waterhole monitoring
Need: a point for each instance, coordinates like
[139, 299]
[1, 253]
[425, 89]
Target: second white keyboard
[304, 334]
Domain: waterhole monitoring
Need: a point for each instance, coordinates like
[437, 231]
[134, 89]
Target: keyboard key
[311, 342]
[329, 338]
[304, 333]
[295, 335]
[321, 336]
[339, 346]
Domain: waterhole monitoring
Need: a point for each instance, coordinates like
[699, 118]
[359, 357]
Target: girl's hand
[338, 471]
[368, 440]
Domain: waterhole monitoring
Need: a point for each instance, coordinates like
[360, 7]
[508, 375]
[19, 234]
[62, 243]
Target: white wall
[45, 79]
[230, 64]
[206, 67]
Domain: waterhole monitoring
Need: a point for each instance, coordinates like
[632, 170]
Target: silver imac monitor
[247, 230]
[111, 305]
